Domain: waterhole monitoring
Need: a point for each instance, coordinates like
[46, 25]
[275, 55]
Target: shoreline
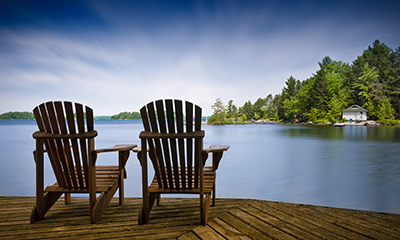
[368, 123]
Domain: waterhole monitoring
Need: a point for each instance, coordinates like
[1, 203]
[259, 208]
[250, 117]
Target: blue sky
[118, 55]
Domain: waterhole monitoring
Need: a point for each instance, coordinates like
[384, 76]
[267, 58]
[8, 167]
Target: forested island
[17, 115]
[30, 116]
[126, 116]
[372, 81]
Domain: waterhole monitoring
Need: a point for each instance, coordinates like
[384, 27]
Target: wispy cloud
[121, 57]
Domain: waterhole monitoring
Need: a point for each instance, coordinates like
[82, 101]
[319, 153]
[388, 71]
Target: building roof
[355, 108]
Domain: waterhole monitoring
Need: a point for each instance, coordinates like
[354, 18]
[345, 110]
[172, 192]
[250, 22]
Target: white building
[354, 113]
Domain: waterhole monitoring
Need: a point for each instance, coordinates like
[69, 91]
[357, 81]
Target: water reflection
[353, 133]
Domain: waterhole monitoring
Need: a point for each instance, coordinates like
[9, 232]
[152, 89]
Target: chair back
[68, 156]
[176, 159]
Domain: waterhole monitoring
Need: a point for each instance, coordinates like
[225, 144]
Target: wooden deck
[179, 218]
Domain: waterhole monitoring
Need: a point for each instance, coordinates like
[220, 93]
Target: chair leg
[205, 209]
[67, 198]
[40, 210]
[121, 188]
[145, 213]
[213, 195]
[142, 216]
[101, 203]
[158, 199]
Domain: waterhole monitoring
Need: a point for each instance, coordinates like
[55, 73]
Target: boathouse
[354, 113]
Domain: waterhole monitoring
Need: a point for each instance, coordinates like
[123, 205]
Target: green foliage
[212, 119]
[388, 122]
[102, 118]
[276, 117]
[231, 110]
[335, 109]
[385, 110]
[219, 114]
[247, 109]
[372, 81]
[17, 115]
[272, 105]
[126, 116]
[291, 107]
[313, 115]
[291, 90]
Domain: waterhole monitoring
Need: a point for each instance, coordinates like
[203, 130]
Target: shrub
[388, 122]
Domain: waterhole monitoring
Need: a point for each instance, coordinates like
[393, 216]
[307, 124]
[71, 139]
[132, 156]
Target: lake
[353, 167]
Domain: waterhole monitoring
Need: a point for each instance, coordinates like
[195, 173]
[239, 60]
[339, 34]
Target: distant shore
[362, 123]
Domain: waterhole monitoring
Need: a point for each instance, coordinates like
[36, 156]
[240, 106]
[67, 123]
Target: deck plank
[180, 218]
[314, 218]
[226, 230]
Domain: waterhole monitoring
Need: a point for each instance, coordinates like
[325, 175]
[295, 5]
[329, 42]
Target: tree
[273, 106]
[386, 110]
[325, 62]
[393, 90]
[335, 109]
[385, 63]
[365, 83]
[313, 115]
[292, 89]
[231, 109]
[335, 92]
[219, 114]
[259, 108]
[291, 107]
[247, 109]
[324, 91]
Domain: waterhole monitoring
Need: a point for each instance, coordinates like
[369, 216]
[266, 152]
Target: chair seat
[209, 180]
[106, 178]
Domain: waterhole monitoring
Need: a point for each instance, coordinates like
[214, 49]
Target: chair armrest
[216, 148]
[119, 147]
[138, 150]
[122, 149]
[217, 152]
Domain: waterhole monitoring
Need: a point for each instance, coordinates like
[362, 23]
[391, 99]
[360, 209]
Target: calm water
[350, 167]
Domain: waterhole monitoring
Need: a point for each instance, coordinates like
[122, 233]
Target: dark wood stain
[178, 218]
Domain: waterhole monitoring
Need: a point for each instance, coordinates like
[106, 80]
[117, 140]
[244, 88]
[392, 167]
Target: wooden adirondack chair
[177, 155]
[73, 157]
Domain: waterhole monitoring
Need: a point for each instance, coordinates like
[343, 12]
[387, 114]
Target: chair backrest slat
[189, 143]
[37, 111]
[178, 159]
[198, 142]
[83, 142]
[171, 129]
[152, 153]
[163, 129]
[58, 118]
[89, 119]
[75, 149]
[181, 142]
[157, 145]
[67, 148]
[51, 147]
